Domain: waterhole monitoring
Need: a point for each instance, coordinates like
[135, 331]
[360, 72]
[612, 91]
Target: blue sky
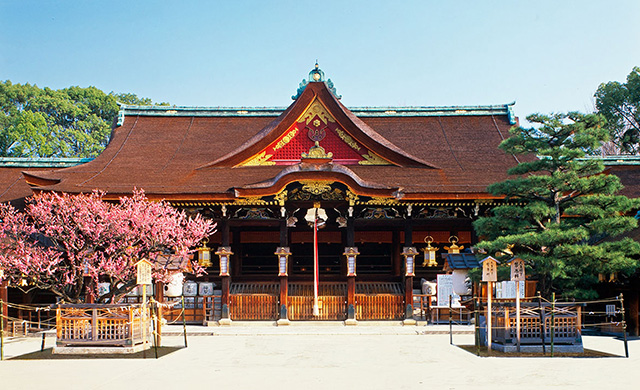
[548, 56]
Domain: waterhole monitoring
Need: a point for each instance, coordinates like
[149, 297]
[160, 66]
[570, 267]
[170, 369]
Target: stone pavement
[317, 356]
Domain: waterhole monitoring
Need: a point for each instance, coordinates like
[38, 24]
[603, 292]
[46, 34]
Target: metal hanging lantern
[351, 252]
[204, 255]
[283, 254]
[224, 252]
[454, 248]
[409, 253]
[429, 253]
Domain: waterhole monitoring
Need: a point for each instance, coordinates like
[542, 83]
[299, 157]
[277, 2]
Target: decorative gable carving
[315, 124]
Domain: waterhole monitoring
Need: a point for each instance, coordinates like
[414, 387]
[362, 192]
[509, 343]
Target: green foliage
[619, 103]
[559, 208]
[70, 122]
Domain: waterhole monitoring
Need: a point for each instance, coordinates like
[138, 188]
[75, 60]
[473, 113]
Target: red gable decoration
[315, 124]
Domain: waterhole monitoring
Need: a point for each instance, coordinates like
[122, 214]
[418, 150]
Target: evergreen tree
[559, 207]
[70, 122]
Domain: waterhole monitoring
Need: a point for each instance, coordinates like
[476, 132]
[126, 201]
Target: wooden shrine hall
[373, 185]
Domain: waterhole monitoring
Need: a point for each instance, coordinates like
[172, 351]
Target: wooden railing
[253, 306]
[333, 308]
[379, 307]
[566, 324]
[104, 325]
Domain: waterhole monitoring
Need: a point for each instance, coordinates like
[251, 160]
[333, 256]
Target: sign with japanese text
[143, 272]
[517, 270]
[489, 269]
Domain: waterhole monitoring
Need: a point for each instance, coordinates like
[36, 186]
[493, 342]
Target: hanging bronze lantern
[429, 253]
[204, 255]
[454, 248]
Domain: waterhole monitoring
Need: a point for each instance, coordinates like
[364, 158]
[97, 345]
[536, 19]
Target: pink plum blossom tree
[61, 240]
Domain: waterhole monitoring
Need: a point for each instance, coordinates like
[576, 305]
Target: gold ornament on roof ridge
[317, 152]
[316, 109]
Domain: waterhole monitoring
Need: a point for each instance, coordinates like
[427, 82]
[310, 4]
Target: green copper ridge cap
[42, 162]
[615, 159]
[316, 75]
[364, 112]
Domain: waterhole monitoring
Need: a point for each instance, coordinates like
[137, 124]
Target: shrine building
[381, 184]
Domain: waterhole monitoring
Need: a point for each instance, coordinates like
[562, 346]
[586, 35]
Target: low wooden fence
[102, 325]
[332, 308]
[379, 307]
[566, 324]
[253, 307]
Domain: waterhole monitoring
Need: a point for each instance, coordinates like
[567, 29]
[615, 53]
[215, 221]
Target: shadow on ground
[48, 355]
[483, 352]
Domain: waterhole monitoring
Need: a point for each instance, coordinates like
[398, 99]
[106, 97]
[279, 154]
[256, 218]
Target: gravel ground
[316, 357]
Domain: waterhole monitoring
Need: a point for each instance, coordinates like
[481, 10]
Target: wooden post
[544, 348]
[184, 322]
[518, 314]
[1, 329]
[4, 297]
[226, 284]
[624, 327]
[489, 315]
[507, 324]
[283, 318]
[476, 316]
[351, 293]
[553, 314]
[94, 324]
[450, 322]
[159, 300]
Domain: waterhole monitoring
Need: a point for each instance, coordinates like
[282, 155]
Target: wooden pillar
[226, 283]
[396, 261]
[408, 279]
[224, 229]
[283, 318]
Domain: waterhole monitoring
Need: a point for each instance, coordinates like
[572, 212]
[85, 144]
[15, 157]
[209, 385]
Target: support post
[624, 327]
[158, 303]
[4, 297]
[351, 301]
[476, 317]
[489, 315]
[544, 348]
[284, 297]
[450, 322]
[184, 322]
[226, 284]
[1, 329]
[553, 317]
[518, 314]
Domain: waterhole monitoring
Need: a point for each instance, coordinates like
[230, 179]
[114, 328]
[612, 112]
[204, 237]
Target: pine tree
[559, 207]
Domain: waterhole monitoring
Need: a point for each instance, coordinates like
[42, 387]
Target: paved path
[319, 357]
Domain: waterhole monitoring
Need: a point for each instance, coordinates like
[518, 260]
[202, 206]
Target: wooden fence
[253, 307]
[566, 324]
[102, 325]
[379, 307]
[332, 308]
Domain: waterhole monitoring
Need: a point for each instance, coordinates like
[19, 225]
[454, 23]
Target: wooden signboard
[517, 270]
[489, 269]
[143, 272]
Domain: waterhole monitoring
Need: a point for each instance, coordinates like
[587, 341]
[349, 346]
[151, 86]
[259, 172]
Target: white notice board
[445, 289]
